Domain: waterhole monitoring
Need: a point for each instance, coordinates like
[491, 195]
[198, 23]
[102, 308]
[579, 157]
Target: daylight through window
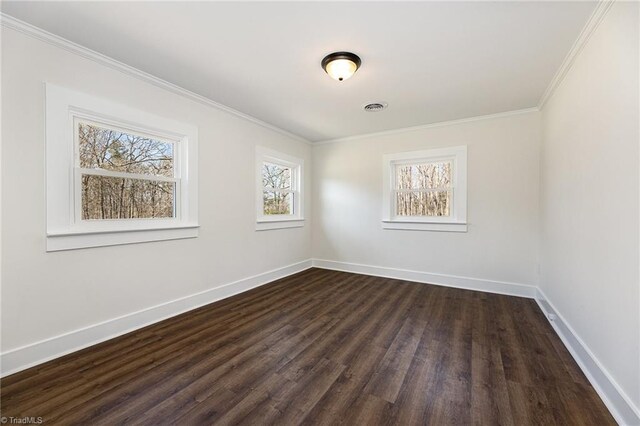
[424, 189]
[124, 175]
[277, 193]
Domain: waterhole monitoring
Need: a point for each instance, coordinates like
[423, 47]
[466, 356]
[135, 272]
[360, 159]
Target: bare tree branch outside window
[277, 196]
[424, 189]
[106, 197]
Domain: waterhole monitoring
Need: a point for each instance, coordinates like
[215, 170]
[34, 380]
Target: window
[116, 175]
[426, 190]
[124, 175]
[278, 191]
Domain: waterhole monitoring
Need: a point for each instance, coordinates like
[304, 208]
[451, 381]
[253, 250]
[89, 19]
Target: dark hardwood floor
[322, 347]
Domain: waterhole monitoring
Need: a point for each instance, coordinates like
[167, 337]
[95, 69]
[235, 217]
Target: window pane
[276, 176]
[108, 149]
[428, 203]
[277, 202]
[119, 198]
[424, 176]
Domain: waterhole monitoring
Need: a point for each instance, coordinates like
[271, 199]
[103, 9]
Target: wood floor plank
[322, 348]
[337, 403]
[300, 399]
[369, 410]
[530, 405]
[256, 404]
[388, 379]
[490, 394]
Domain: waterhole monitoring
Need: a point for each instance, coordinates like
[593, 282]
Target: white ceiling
[431, 61]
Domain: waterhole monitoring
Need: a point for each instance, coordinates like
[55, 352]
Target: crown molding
[429, 126]
[592, 24]
[42, 35]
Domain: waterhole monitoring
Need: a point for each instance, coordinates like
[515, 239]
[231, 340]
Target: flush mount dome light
[341, 65]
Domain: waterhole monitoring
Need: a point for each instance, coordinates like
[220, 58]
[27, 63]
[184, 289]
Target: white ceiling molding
[429, 126]
[594, 20]
[40, 34]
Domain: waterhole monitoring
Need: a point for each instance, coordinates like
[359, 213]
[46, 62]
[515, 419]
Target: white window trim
[296, 220]
[65, 229]
[457, 222]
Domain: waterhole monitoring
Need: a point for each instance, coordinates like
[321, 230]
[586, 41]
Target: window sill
[425, 226]
[269, 224]
[58, 241]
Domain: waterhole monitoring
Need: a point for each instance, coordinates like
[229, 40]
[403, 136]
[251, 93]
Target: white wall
[589, 197]
[503, 180]
[47, 294]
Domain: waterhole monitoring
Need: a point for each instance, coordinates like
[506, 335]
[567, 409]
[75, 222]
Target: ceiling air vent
[377, 106]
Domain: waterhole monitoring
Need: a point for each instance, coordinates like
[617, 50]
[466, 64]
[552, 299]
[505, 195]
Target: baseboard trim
[33, 354]
[467, 283]
[618, 403]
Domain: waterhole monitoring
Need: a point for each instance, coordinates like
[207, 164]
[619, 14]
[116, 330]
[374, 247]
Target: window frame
[66, 229]
[79, 172]
[267, 222]
[457, 220]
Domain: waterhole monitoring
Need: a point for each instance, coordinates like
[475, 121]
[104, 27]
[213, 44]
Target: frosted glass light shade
[341, 69]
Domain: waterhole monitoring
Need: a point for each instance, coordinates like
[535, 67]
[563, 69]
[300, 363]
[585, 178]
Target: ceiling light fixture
[341, 65]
